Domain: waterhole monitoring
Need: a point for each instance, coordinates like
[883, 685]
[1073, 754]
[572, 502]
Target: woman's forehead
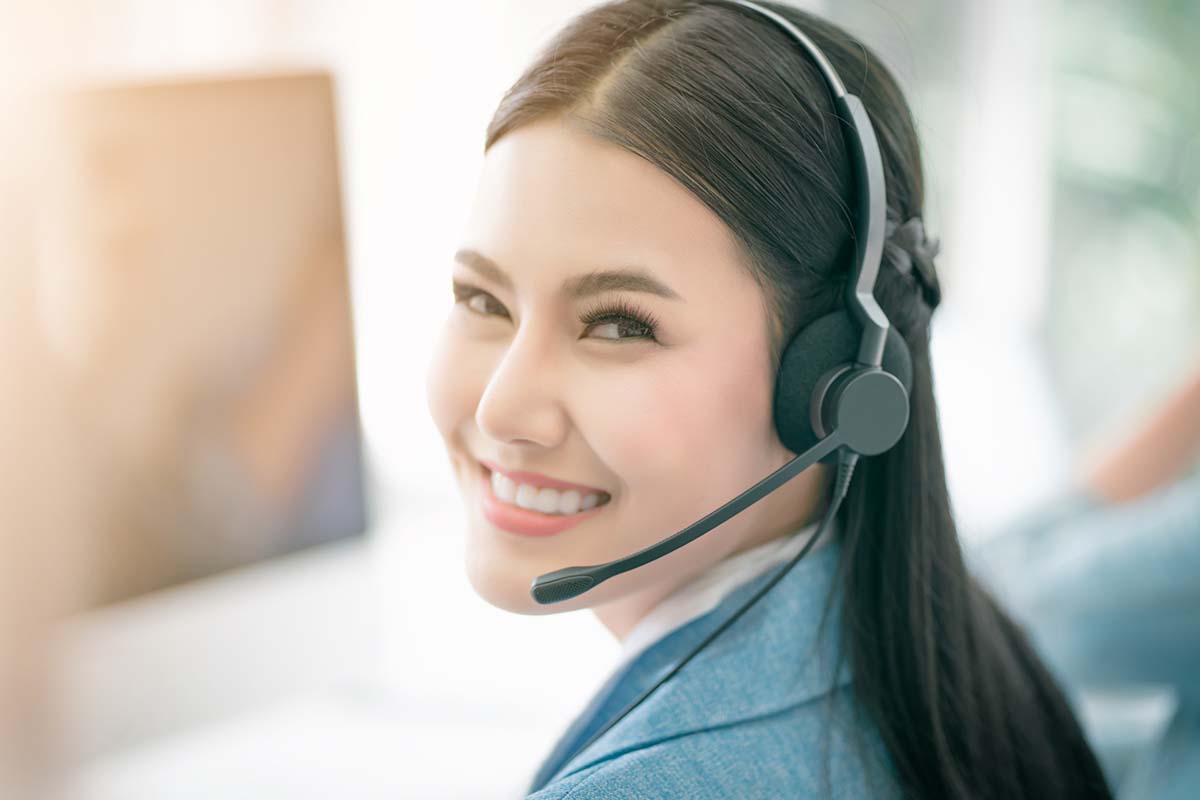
[553, 194]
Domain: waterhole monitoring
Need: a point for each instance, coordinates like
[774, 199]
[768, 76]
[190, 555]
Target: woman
[694, 145]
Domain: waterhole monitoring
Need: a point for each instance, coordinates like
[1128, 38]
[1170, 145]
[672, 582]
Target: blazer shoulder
[809, 750]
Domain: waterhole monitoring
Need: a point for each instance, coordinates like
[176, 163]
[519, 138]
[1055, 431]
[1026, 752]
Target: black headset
[842, 387]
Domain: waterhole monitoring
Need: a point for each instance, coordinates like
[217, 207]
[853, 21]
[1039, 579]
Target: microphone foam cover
[561, 589]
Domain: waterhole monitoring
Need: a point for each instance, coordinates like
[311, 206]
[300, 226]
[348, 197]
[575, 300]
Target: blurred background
[232, 552]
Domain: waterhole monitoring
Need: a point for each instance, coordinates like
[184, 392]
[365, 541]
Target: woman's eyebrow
[580, 286]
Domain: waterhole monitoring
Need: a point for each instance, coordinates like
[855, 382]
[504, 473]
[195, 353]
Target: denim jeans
[1110, 595]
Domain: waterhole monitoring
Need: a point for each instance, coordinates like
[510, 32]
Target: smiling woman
[574, 372]
[661, 209]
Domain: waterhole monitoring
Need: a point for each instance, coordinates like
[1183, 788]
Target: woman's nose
[522, 400]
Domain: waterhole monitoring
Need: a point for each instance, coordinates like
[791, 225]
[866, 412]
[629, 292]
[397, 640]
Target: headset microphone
[843, 381]
[842, 386]
[864, 424]
[554, 587]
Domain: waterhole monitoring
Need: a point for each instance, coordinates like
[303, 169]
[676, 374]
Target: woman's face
[670, 427]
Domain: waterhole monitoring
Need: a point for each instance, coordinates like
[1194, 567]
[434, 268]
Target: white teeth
[568, 503]
[504, 488]
[527, 497]
[547, 501]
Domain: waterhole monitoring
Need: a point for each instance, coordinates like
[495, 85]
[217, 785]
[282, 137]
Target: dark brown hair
[728, 105]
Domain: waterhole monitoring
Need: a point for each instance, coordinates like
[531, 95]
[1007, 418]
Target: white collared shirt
[703, 592]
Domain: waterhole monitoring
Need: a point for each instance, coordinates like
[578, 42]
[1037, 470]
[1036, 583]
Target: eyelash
[610, 312]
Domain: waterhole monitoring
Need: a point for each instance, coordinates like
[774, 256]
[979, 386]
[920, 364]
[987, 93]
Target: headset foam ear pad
[828, 342]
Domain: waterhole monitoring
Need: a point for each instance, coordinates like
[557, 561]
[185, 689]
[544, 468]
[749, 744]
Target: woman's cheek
[450, 384]
[641, 426]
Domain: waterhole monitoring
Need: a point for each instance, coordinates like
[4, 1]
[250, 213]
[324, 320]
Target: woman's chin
[507, 589]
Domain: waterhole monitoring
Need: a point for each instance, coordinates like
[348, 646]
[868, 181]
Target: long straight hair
[727, 105]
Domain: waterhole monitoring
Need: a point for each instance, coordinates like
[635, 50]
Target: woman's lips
[523, 521]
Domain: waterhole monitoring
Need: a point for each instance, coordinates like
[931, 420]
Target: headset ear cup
[829, 342]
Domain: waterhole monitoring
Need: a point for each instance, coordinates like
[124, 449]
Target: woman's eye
[614, 324]
[613, 319]
[475, 299]
[479, 303]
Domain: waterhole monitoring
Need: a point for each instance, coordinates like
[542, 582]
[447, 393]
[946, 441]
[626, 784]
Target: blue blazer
[764, 711]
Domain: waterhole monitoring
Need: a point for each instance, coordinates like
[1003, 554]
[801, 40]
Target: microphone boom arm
[563, 584]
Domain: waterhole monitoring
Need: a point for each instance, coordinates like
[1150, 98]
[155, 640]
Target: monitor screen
[193, 292]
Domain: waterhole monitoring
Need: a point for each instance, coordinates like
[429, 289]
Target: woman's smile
[545, 373]
[531, 511]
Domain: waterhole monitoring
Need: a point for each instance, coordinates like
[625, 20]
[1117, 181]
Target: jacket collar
[769, 659]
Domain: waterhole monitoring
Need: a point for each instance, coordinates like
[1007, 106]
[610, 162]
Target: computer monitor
[193, 290]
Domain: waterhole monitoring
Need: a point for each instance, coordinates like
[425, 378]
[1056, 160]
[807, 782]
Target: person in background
[1105, 577]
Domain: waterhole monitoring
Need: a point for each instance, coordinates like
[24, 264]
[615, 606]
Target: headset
[842, 386]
